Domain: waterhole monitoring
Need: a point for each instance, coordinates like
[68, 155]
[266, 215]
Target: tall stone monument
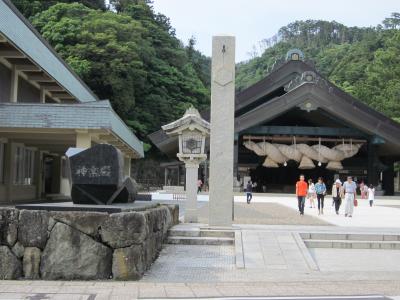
[222, 130]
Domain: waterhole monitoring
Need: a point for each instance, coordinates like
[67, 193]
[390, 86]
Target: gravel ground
[265, 214]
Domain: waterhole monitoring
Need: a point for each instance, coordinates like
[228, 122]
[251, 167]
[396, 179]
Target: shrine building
[294, 121]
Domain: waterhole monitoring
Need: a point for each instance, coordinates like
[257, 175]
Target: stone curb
[239, 257]
[305, 252]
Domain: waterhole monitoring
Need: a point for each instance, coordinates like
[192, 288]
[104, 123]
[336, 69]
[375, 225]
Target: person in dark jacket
[320, 189]
[249, 191]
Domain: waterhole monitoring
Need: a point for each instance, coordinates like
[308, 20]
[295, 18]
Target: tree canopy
[364, 62]
[129, 55]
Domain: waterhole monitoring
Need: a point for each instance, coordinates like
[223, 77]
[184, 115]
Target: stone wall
[38, 244]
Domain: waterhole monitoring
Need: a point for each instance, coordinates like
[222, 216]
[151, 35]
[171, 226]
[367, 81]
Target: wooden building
[295, 105]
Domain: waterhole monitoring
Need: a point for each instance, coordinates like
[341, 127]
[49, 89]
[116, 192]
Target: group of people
[346, 191]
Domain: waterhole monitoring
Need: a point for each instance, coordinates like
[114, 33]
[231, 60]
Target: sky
[253, 20]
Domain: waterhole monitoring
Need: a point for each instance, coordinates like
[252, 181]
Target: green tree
[393, 22]
[200, 63]
[102, 47]
[130, 56]
[31, 7]
[362, 61]
[172, 83]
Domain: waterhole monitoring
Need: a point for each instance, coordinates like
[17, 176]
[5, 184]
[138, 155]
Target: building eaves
[15, 27]
[88, 116]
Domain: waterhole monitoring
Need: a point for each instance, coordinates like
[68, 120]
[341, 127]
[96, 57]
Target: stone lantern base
[192, 166]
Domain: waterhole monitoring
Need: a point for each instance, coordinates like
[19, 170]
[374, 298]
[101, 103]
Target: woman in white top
[311, 193]
[337, 194]
[371, 194]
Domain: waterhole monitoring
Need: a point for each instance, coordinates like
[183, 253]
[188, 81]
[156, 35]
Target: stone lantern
[192, 131]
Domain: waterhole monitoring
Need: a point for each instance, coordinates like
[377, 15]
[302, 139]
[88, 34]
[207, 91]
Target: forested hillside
[129, 54]
[126, 53]
[362, 61]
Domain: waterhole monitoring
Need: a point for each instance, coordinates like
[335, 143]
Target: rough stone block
[128, 263]
[70, 254]
[18, 250]
[33, 228]
[80, 245]
[124, 229]
[158, 215]
[86, 222]
[31, 263]
[150, 250]
[156, 218]
[174, 209]
[159, 239]
[10, 265]
[149, 221]
[8, 226]
[167, 221]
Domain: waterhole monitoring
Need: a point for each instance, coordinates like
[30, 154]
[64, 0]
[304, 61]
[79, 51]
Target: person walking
[366, 190]
[199, 186]
[249, 191]
[349, 188]
[311, 193]
[301, 193]
[337, 194]
[320, 189]
[371, 195]
[363, 190]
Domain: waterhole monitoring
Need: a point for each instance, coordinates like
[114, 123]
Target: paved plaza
[264, 213]
[267, 209]
[273, 259]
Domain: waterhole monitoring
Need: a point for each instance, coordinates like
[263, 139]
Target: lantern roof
[191, 120]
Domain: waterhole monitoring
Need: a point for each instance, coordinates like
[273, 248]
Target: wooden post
[14, 85]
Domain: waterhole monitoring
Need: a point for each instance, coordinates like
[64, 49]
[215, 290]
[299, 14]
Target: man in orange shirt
[301, 192]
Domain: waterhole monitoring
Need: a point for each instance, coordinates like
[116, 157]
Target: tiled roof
[91, 115]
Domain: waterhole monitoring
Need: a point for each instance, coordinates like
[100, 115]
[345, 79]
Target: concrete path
[99, 290]
[378, 216]
[385, 212]
[274, 251]
[264, 213]
[356, 260]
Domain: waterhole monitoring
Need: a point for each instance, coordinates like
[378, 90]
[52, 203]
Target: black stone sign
[97, 177]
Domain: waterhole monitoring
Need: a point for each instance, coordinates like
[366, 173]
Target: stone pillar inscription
[222, 130]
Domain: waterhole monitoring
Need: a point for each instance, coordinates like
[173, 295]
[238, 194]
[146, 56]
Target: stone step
[201, 233]
[350, 236]
[190, 240]
[352, 244]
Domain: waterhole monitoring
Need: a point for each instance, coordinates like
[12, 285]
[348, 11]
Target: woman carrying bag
[350, 189]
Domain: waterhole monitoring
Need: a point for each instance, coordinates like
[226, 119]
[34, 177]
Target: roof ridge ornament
[192, 111]
[292, 54]
[295, 54]
[309, 77]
